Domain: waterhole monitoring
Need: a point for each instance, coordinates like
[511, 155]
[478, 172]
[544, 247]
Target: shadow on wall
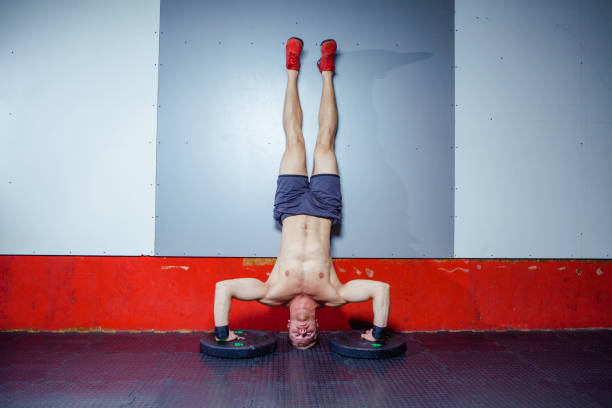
[370, 169]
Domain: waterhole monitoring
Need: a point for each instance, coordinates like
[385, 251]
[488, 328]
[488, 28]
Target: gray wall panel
[78, 83]
[533, 130]
[220, 136]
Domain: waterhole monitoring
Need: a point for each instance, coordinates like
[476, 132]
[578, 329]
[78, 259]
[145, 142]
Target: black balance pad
[255, 343]
[350, 344]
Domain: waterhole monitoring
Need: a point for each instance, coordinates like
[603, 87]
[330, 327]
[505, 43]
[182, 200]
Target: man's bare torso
[304, 265]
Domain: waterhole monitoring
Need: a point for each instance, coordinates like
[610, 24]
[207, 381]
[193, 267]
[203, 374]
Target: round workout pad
[350, 344]
[255, 343]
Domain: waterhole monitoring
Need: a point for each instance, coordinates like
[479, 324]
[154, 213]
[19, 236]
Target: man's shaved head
[302, 326]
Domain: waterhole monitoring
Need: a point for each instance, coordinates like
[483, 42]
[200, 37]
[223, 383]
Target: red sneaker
[328, 53]
[293, 50]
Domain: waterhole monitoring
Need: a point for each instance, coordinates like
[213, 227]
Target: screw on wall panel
[219, 42]
[416, 148]
[501, 57]
[296, 22]
[186, 142]
[251, 42]
[159, 106]
[157, 216]
[10, 182]
[158, 142]
[157, 184]
[358, 44]
[477, 17]
[396, 44]
[490, 118]
[162, 32]
[185, 42]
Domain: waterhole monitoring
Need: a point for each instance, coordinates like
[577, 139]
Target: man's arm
[243, 289]
[360, 290]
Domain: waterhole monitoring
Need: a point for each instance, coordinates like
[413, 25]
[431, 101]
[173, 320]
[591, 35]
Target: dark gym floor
[461, 369]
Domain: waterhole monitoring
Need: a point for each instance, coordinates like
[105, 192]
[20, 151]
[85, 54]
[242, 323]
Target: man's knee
[295, 148]
[294, 137]
[324, 150]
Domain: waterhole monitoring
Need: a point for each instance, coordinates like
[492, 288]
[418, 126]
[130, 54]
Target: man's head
[302, 326]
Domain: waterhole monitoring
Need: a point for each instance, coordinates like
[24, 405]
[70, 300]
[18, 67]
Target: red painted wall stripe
[157, 293]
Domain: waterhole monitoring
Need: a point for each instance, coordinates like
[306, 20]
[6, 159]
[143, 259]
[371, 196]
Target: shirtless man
[303, 278]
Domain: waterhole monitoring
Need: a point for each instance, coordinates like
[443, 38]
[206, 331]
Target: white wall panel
[78, 96]
[533, 129]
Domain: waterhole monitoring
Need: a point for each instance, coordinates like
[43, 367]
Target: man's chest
[314, 284]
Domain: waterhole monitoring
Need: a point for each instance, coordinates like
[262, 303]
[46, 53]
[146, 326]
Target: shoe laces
[293, 59]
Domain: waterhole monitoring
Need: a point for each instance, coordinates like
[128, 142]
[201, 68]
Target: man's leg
[324, 154]
[294, 158]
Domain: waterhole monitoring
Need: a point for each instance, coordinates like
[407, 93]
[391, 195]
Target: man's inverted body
[303, 278]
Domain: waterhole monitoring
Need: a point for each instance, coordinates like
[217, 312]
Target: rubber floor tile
[488, 365]
[120, 366]
[462, 341]
[438, 370]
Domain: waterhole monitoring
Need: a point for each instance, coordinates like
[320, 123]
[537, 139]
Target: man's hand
[232, 336]
[367, 335]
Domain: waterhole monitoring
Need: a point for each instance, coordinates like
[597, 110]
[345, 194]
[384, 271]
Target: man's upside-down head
[302, 326]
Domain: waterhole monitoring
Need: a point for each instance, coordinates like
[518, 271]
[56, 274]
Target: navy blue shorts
[320, 196]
